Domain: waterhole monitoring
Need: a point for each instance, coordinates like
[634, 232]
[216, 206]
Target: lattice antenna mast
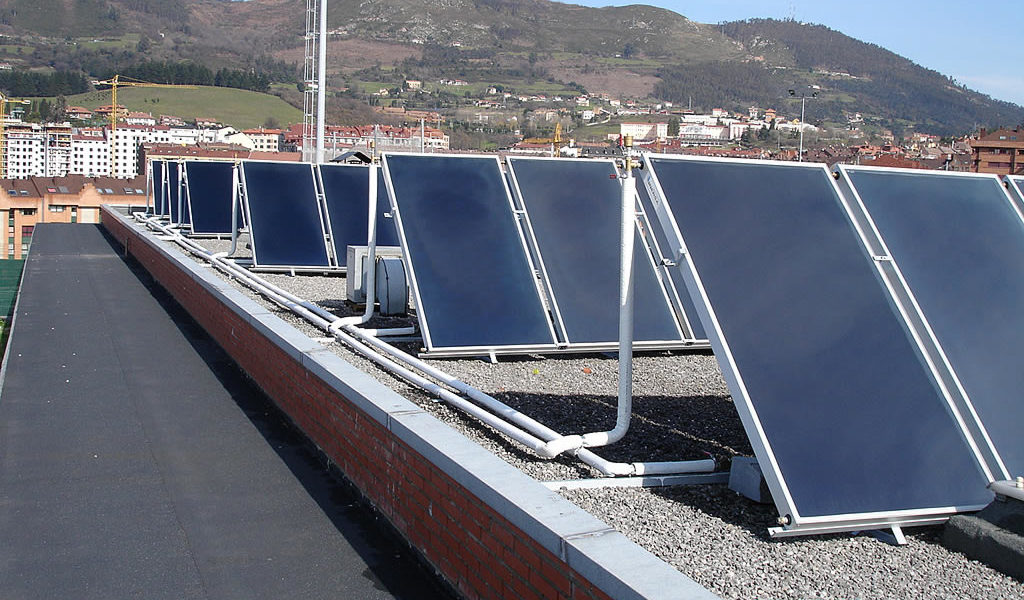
[314, 77]
[309, 79]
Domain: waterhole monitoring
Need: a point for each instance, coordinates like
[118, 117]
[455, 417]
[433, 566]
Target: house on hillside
[1000, 152]
[78, 113]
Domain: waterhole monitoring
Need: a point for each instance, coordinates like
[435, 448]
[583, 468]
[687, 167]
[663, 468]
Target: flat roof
[138, 461]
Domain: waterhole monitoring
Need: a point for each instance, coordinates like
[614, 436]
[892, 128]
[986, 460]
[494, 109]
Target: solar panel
[958, 241]
[1015, 183]
[469, 270]
[283, 213]
[172, 193]
[209, 195]
[573, 212]
[672, 270]
[849, 426]
[157, 170]
[345, 190]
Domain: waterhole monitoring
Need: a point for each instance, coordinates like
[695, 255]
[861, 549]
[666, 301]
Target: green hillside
[240, 108]
[521, 46]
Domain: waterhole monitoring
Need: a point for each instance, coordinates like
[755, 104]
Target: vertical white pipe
[321, 83]
[234, 209]
[626, 240]
[370, 274]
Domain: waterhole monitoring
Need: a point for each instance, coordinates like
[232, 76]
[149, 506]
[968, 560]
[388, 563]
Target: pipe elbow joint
[559, 445]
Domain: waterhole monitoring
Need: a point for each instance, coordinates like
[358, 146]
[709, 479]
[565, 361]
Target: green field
[241, 109]
[110, 43]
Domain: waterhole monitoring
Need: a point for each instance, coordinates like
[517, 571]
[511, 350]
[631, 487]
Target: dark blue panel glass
[474, 279]
[575, 211]
[960, 246]
[846, 405]
[675, 273]
[175, 199]
[209, 195]
[345, 188]
[284, 215]
[1017, 187]
[156, 171]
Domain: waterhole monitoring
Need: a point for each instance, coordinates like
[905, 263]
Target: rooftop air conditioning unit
[355, 270]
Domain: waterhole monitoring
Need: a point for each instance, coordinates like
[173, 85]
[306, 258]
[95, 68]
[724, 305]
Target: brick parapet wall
[488, 529]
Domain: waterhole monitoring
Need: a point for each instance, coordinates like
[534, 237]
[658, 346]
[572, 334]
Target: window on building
[26, 231]
[56, 208]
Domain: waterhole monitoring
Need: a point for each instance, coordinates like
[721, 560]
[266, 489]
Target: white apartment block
[644, 131]
[265, 140]
[33, 150]
[90, 156]
[702, 135]
[126, 145]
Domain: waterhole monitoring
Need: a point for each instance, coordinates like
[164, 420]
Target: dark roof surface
[137, 461]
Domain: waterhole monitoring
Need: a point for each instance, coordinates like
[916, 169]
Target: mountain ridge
[634, 50]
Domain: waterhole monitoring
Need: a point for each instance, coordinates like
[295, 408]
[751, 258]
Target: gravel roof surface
[682, 410]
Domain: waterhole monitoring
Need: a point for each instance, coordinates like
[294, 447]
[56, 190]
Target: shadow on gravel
[662, 428]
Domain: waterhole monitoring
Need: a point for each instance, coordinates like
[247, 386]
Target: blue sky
[977, 42]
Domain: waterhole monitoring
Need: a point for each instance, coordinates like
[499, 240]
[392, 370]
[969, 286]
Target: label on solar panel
[847, 421]
[574, 211]
[345, 191]
[958, 241]
[283, 213]
[209, 196]
[470, 271]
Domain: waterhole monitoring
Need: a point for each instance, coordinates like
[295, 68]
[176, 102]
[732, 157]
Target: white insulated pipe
[542, 440]
[370, 274]
[626, 287]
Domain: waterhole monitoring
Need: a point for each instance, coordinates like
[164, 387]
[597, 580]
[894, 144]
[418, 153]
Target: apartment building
[24, 203]
[1000, 152]
[644, 131]
[90, 153]
[34, 150]
[385, 138]
[265, 140]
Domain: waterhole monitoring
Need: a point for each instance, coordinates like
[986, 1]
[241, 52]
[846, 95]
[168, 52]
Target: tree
[673, 127]
[45, 110]
[60, 107]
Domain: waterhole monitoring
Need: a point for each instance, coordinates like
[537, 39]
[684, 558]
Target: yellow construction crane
[556, 139]
[117, 80]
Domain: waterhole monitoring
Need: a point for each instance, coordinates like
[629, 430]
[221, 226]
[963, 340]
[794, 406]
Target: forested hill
[851, 73]
[627, 51]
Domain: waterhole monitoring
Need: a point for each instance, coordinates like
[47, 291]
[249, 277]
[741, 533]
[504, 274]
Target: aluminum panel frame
[247, 212]
[642, 253]
[792, 521]
[950, 376]
[415, 285]
[194, 232]
[385, 219]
